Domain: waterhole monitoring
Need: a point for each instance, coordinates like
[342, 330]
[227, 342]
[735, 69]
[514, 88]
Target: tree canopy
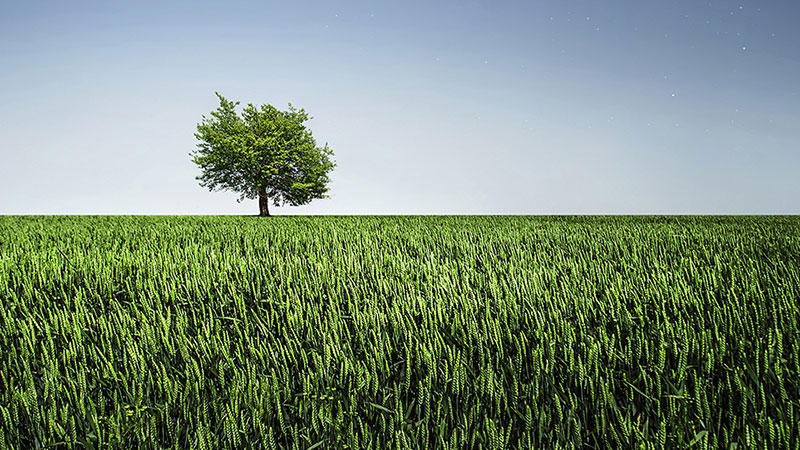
[262, 153]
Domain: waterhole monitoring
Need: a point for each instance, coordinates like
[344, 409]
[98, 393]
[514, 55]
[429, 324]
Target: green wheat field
[399, 332]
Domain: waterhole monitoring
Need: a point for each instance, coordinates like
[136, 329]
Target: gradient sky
[560, 107]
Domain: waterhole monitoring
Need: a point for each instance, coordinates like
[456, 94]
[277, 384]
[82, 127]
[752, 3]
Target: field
[400, 332]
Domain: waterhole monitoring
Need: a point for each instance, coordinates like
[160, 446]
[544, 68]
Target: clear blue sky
[430, 107]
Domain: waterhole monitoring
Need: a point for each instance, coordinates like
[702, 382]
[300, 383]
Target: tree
[263, 153]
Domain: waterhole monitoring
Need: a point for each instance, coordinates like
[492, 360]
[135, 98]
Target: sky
[446, 107]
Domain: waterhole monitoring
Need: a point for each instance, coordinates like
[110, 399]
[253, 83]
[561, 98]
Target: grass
[399, 332]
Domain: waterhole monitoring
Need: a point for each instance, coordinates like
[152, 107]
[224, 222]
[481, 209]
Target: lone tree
[263, 153]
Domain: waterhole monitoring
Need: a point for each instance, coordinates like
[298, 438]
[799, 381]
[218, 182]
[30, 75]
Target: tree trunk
[263, 203]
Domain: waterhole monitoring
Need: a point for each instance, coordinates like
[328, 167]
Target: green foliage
[263, 151]
[399, 332]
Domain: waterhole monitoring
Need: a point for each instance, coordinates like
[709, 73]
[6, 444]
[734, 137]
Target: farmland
[400, 332]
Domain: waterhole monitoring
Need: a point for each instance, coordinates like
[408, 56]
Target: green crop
[400, 332]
